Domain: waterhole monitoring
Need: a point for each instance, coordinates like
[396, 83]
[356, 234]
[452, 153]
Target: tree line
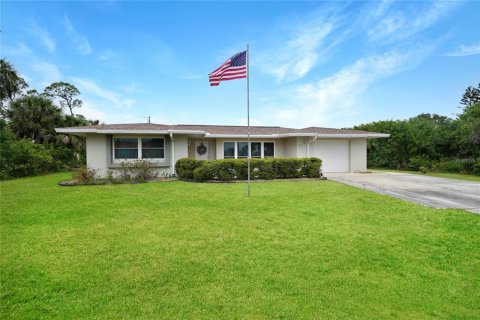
[430, 142]
[29, 144]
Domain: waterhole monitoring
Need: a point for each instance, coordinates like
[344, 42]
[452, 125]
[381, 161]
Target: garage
[335, 155]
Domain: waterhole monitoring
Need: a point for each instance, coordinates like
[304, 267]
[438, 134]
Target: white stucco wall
[97, 153]
[302, 146]
[181, 149]
[290, 147]
[358, 155]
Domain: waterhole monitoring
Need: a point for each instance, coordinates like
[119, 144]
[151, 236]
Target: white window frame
[234, 149]
[139, 148]
[235, 142]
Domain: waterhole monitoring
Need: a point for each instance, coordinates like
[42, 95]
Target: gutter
[173, 154]
[308, 145]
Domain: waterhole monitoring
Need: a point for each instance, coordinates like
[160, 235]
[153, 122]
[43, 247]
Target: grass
[457, 176]
[176, 250]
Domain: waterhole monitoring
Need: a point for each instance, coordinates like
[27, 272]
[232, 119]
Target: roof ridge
[224, 125]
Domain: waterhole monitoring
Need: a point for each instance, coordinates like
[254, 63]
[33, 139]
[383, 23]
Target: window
[239, 149]
[138, 148]
[268, 149]
[229, 150]
[256, 151]
[242, 149]
[153, 148]
[126, 148]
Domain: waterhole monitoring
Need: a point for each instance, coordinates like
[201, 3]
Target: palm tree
[10, 83]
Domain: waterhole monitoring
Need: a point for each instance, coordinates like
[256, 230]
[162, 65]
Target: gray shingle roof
[215, 129]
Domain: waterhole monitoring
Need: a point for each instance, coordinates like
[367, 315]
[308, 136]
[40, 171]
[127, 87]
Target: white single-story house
[341, 150]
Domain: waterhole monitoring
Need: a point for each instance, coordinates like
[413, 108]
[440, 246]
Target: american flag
[233, 68]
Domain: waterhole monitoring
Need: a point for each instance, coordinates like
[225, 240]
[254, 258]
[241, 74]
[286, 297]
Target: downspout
[173, 155]
[308, 145]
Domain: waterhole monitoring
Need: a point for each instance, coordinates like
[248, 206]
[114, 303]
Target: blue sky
[314, 63]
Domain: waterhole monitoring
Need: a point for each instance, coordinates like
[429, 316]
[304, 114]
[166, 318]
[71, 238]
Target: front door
[201, 150]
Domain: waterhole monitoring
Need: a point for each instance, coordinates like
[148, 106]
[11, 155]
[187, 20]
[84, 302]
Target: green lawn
[457, 176]
[176, 250]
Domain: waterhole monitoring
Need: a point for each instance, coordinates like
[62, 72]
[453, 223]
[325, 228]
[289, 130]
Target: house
[341, 150]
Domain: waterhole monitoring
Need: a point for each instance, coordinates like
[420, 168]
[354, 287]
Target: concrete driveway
[424, 190]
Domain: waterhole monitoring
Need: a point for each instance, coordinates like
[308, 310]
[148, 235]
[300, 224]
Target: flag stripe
[233, 68]
[229, 73]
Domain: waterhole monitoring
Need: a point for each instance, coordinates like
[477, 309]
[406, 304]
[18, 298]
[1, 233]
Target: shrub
[85, 175]
[467, 166]
[416, 163]
[20, 158]
[237, 169]
[144, 171]
[186, 166]
[311, 167]
[203, 172]
[137, 171]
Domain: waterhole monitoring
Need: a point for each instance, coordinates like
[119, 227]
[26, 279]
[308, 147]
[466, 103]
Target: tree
[66, 93]
[11, 84]
[33, 117]
[471, 96]
[468, 131]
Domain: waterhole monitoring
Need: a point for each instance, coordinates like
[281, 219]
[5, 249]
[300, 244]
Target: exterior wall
[302, 146]
[100, 154]
[280, 148]
[290, 147]
[181, 149]
[97, 153]
[358, 155]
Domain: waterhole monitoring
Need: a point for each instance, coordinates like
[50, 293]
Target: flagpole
[248, 121]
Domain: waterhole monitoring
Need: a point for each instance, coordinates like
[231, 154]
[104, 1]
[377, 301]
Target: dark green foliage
[465, 166]
[471, 96]
[185, 167]
[11, 84]
[34, 116]
[428, 142]
[65, 92]
[265, 169]
[20, 158]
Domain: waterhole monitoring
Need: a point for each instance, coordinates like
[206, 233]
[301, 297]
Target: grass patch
[457, 176]
[177, 250]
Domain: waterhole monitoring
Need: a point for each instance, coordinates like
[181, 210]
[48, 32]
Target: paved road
[429, 191]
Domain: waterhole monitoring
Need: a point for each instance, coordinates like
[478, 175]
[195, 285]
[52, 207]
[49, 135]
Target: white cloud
[107, 55]
[88, 87]
[340, 95]
[44, 37]
[301, 52]
[90, 111]
[20, 49]
[399, 25]
[47, 72]
[78, 40]
[131, 88]
[465, 50]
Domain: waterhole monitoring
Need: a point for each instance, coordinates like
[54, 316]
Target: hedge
[237, 169]
[185, 167]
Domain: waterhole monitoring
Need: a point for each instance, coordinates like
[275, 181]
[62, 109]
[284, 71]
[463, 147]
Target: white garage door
[334, 155]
